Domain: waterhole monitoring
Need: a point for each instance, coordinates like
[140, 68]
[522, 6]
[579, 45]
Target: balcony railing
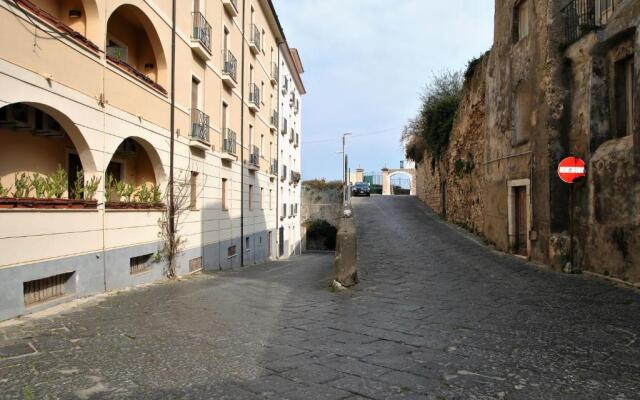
[274, 167]
[295, 177]
[292, 136]
[199, 125]
[274, 72]
[275, 119]
[285, 126]
[296, 143]
[229, 142]
[254, 157]
[584, 16]
[201, 30]
[255, 39]
[254, 95]
[283, 177]
[230, 66]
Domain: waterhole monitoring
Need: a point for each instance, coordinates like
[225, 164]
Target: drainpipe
[278, 158]
[242, 88]
[172, 127]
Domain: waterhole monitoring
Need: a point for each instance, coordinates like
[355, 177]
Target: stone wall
[320, 201]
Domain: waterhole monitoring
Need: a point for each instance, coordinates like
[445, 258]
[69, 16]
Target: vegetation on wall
[431, 128]
[321, 184]
[53, 186]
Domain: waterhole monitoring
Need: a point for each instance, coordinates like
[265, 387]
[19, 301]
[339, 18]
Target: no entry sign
[571, 168]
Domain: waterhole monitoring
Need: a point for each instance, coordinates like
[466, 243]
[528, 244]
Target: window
[262, 198]
[41, 290]
[261, 144]
[270, 199]
[195, 89]
[261, 92]
[247, 243]
[225, 42]
[117, 49]
[231, 251]
[225, 205]
[194, 191]
[139, 264]
[624, 88]
[225, 114]
[250, 197]
[521, 21]
[195, 264]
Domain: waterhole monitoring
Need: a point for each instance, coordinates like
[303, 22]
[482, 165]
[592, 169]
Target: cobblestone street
[436, 316]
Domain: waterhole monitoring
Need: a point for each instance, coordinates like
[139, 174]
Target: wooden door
[520, 206]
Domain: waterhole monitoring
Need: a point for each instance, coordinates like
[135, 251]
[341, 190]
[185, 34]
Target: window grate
[41, 290]
[139, 264]
[195, 264]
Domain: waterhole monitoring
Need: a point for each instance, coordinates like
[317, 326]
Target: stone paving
[436, 316]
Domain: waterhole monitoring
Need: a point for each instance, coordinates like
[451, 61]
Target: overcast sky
[365, 63]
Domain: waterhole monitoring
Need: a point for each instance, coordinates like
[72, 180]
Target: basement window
[195, 264]
[231, 251]
[139, 264]
[42, 290]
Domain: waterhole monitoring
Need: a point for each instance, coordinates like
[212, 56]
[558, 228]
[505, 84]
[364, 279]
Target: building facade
[91, 92]
[559, 81]
[291, 90]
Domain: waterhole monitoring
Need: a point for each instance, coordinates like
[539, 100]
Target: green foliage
[472, 65]
[156, 195]
[4, 192]
[431, 129]
[22, 186]
[91, 188]
[57, 184]
[321, 230]
[126, 190]
[40, 185]
[143, 195]
[463, 167]
[78, 186]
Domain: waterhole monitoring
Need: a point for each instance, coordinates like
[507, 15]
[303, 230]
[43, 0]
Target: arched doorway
[134, 176]
[403, 179]
[133, 45]
[43, 155]
[400, 183]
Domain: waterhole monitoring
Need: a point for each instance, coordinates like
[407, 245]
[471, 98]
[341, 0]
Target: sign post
[570, 170]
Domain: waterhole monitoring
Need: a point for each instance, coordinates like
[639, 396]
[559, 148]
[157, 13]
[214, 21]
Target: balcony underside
[200, 50]
[228, 81]
[199, 144]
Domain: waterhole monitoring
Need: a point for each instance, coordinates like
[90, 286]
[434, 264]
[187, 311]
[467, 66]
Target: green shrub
[22, 185]
[91, 188]
[4, 192]
[57, 184]
[40, 185]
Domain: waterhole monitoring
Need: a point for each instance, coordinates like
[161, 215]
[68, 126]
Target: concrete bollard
[346, 252]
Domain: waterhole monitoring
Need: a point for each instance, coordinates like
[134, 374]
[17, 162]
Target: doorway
[281, 244]
[520, 206]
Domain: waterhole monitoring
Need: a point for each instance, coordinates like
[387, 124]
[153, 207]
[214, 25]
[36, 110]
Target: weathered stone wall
[321, 203]
[567, 96]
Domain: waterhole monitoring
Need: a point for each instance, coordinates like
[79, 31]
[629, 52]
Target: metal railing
[201, 30]
[584, 16]
[295, 177]
[274, 167]
[256, 38]
[275, 118]
[199, 125]
[292, 136]
[230, 66]
[283, 177]
[285, 126]
[254, 157]
[234, 3]
[274, 71]
[254, 94]
[296, 143]
[229, 142]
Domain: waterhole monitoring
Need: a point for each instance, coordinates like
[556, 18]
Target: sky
[366, 62]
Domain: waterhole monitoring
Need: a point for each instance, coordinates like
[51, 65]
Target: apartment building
[90, 94]
[291, 91]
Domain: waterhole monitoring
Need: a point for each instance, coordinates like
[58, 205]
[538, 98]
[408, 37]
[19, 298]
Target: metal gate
[520, 198]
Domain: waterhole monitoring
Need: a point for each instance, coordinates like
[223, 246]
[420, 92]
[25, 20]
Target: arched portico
[137, 162]
[388, 173]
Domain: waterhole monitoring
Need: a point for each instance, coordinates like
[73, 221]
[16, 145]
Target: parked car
[361, 189]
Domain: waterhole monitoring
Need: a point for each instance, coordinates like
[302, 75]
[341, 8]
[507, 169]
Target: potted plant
[90, 189]
[57, 186]
[22, 185]
[5, 200]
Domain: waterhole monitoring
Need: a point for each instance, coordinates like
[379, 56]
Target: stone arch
[133, 18]
[388, 173]
[146, 152]
[72, 131]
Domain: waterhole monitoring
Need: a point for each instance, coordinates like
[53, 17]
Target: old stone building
[560, 80]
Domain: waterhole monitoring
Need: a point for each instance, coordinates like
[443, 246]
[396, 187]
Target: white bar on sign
[571, 170]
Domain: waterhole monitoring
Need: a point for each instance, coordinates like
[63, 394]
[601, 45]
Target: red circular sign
[571, 168]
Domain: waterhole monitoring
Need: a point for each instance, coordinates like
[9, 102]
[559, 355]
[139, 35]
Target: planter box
[7, 202]
[123, 205]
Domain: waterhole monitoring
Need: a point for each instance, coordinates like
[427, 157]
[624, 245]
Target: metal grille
[254, 157]
[201, 30]
[254, 94]
[229, 145]
[139, 264]
[583, 16]
[195, 264]
[256, 39]
[199, 125]
[230, 65]
[45, 289]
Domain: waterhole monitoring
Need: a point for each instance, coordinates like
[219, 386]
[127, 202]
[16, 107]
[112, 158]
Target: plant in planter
[39, 184]
[127, 192]
[91, 188]
[57, 184]
[22, 185]
[78, 186]
[156, 195]
[4, 192]
[144, 195]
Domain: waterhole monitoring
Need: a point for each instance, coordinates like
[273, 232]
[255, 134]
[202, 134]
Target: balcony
[296, 142]
[295, 178]
[255, 41]
[254, 159]
[284, 211]
[285, 126]
[229, 69]
[274, 121]
[584, 16]
[292, 136]
[229, 145]
[254, 97]
[199, 137]
[274, 73]
[274, 167]
[283, 177]
[231, 6]
[201, 36]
